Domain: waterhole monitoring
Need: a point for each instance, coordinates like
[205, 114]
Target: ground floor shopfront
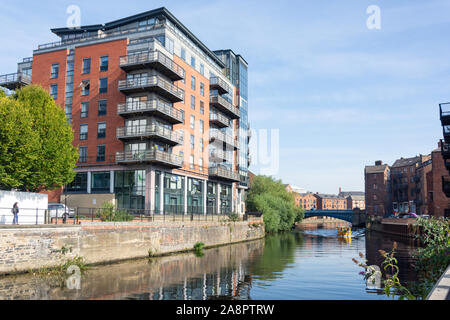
[154, 190]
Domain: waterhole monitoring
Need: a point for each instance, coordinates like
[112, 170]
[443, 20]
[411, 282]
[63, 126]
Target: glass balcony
[157, 107]
[216, 135]
[149, 132]
[224, 106]
[14, 81]
[225, 174]
[215, 83]
[219, 120]
[152, 60]
[152, 84]
[150, 156]
[444, 109]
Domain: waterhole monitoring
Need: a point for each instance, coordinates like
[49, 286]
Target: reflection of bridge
[346, 215]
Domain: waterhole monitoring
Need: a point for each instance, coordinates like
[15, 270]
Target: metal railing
[15, 77]
[444, 109]
[218, 117]
[149, 156]
[148, 106]
[220, 101]
[216, 81]
[101, 36]
[221, 155]
[151, 81]
[215, 134]
[224, 173]
[26, 216]
[148, 131]
[150, 57]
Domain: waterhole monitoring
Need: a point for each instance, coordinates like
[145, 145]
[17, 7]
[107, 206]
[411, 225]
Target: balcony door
[137, 150]
[136, 127]
[136, 103]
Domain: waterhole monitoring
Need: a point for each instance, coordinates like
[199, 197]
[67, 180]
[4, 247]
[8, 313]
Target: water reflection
[307, 264]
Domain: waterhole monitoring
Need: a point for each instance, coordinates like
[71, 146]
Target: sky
[340, 95]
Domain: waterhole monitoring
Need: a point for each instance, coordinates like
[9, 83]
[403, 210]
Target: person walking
[15, 212]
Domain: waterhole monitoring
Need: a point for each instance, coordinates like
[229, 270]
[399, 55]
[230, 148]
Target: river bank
[25, 249]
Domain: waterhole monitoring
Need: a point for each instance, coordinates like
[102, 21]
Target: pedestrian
[15, 212]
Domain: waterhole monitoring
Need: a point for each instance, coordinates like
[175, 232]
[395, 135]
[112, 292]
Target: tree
[39, 154]
[270, 197]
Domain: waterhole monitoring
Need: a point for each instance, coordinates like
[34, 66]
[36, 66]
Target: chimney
[340, 189]
[379, 163]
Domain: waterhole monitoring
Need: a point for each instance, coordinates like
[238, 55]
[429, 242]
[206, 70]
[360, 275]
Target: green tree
[270, 197]
[47, 157]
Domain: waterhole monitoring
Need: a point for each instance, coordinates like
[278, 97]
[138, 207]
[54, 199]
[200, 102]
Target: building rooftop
[403, 162]
[346, 194]
[376, 169]
[329, 196]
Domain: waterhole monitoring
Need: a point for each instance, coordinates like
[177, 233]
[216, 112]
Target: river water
[306, 264]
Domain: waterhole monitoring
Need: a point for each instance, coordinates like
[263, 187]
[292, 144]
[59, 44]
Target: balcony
[225, 174]
[444, 109]
[400, 186]
[446, 186]
[150, 156]
[219, 120]
[447, 164]
[216, 135]
[152, 60]
[445, 150]
[157, 107]
[224, 106]
[15, 81]
[149, 132]
[152, 84]
[220, 155]
[215, 83]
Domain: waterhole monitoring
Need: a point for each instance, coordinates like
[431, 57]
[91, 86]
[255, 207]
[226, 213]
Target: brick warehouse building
[377, 189]
[160, 120]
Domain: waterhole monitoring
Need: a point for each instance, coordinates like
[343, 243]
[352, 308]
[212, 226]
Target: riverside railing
[26, 216]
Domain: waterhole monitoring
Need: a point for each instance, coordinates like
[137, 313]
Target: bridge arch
[345, 215]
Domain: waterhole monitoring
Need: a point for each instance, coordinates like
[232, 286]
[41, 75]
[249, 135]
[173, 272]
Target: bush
[109, 213]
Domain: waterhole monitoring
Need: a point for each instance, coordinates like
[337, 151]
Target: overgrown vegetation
[108, 212]
[431, 261]
[270, 197]
[198, 249]
[36, 151]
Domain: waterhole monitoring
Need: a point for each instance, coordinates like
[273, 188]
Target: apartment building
[330, 202]
[377, 189]
[355, 199]
[160, 120]
[306, 201]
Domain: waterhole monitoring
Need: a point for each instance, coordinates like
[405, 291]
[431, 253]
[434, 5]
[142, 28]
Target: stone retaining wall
[32, 248]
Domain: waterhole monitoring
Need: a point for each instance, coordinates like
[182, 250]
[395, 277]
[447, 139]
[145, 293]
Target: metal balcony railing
[444, 110]
[229, 140]
[445, 150]
[220, 85]
[219, 119]
[220, 155]
[102, 35]
[149, 131]
[161, 86]
[15, 80]
[223, 173]
[166, 110]
[154, 59]
[153, 156]
[225, 106]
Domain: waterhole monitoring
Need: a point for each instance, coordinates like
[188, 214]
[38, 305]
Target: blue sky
[341, 95]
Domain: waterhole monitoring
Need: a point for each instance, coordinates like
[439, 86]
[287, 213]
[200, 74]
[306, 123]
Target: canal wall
[24, 249]
[441, 290]
[397, 227]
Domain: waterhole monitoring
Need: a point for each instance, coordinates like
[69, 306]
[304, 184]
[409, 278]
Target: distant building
[306, 201]
[438, 204]
[355, 199]
[291, 188]
[377, 189]
[330, 202]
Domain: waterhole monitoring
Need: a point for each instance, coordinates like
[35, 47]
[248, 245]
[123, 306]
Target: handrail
[224, 173]
[218, 81]
[151, 81]
[216, 134]
[148, 130]
[154, 104]
[15, 77]
[216, 99]
[213, 116]
[149, 155]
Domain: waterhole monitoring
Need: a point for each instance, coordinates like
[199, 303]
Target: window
[104, 62]
[84, 109]
[192, 102]
[202, 126]
[192, 82]
[84, 132]
[202, 145]
[200, 163]
[183, 54]
[101, 131]
[183, 117]
[83, 155]
[79, 184]
[191, 162]
[102, 107]
[202, 88]
[85, 87]
[86, 65]
[202, 69]
[54, 91]
[103, 88]
[55, 71]
[193, 62]
[202, 107]
[192, 142]
[192, 122]
[100, 182]
[100, 153]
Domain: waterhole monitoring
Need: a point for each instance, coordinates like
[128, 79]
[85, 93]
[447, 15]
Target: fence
[26, 216]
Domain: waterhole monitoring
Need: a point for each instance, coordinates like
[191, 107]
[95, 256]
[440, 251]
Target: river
[301, 265]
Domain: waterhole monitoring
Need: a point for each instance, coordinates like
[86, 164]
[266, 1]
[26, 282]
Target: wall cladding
[25, 249]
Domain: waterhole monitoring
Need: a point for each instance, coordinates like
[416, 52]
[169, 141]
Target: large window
[192, 82]
[54, 91]
[86, 65]
[202, 88]
[192, 102]
[103, 87]
[101, 151]
[193, 62]
[84, 129]
[79, 184]
[101, 131]
[55, 71]
[104, 62]
[85, 87]
[100, 182]
[183, 54]
[102, 108]
[129, 187]
[83, 155]
[84, 109]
